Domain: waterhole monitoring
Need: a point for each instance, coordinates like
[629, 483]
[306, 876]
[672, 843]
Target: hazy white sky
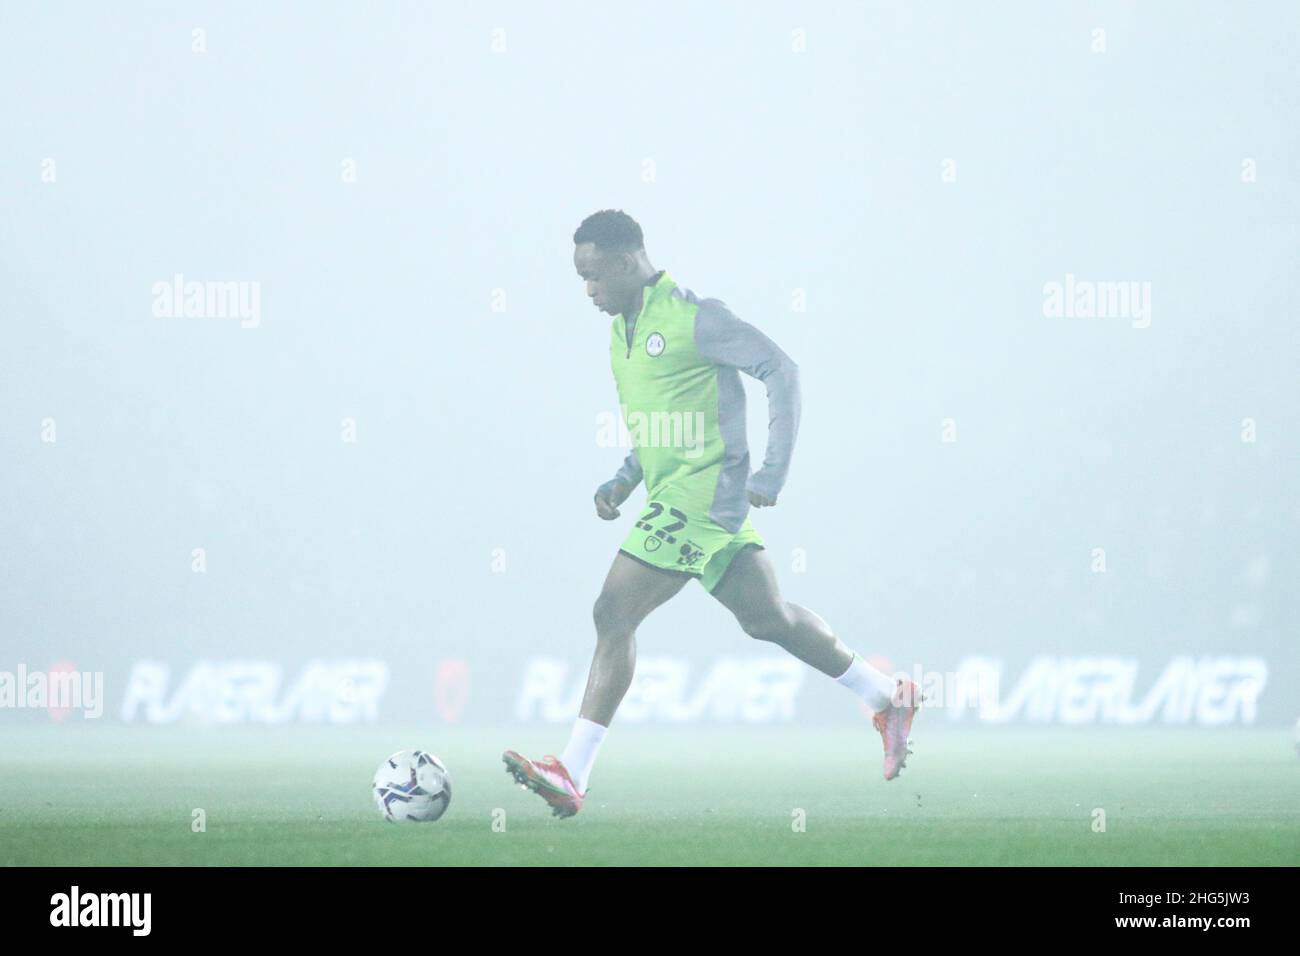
[402, 181]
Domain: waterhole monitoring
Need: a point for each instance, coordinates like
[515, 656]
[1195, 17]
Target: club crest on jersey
[655, 344]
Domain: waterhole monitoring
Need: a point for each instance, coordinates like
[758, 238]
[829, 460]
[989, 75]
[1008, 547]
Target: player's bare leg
[749, 590]
[632, 590]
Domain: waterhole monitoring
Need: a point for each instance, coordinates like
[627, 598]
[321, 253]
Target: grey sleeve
[630, 473]
[723, 339]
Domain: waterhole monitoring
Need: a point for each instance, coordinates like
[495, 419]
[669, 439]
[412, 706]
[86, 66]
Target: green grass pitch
[112, 795]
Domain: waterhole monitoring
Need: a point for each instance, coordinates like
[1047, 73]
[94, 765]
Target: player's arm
[615, 491]
[723, 339]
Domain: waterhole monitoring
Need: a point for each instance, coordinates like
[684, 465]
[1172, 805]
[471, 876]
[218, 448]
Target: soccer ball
[412, 785]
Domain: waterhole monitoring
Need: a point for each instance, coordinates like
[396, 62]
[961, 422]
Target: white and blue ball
[412, 785]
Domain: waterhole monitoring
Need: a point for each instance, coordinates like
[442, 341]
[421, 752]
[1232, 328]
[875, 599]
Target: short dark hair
[612, 230]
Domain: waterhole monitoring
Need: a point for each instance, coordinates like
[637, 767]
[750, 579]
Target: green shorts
[672, 538]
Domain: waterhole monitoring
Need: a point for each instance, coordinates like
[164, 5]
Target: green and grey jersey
[677, 366]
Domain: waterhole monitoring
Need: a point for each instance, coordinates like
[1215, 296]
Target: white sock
[580, 755]
[873, 686]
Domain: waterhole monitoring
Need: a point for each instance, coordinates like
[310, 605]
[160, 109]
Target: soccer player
[676, 359]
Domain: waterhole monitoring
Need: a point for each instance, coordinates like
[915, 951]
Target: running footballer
[676, 361]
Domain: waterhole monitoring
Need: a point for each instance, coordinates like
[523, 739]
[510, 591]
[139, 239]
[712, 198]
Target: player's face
[603, 277]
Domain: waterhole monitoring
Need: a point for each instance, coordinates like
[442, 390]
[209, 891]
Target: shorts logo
[655, 345]
[690, 554]
[652, 543]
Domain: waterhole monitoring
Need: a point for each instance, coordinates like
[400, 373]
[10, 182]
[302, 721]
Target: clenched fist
[609, 496]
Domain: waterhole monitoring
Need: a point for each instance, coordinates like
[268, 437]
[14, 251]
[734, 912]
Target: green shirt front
[682, 401]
